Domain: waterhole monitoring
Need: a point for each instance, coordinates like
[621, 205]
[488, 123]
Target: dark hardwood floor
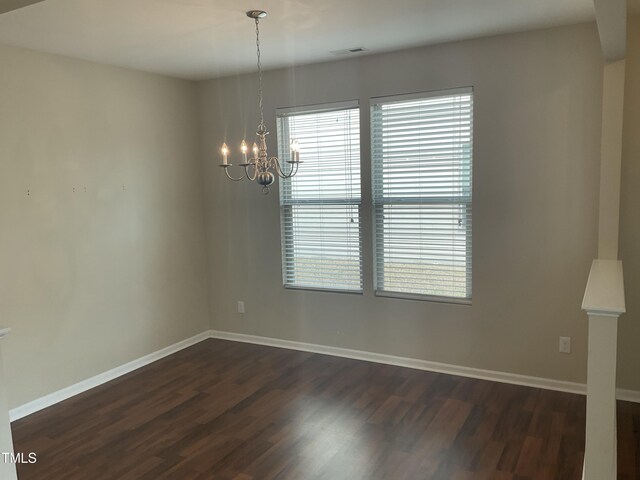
[225, 410]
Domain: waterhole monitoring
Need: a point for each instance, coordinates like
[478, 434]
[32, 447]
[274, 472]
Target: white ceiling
[8, 5]
[199, 39]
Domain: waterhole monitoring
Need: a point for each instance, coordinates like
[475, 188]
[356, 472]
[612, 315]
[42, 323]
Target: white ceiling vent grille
[349, 51]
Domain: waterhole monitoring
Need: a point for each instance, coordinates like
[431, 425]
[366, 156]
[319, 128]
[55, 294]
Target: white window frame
[469, 204]
[283, 153]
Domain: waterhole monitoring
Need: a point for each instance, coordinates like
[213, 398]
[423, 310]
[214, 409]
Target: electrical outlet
[564, 345]
[240, 306]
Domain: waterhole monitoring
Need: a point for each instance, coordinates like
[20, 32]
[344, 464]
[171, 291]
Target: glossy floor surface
[225, 410]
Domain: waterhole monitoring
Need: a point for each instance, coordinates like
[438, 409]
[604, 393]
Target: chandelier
[260, 168]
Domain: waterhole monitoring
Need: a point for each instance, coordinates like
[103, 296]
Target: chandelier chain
[259, 72]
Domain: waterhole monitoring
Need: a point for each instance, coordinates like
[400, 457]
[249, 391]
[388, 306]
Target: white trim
[4, 331]
[327, 290]
[423, 298]
[482, 374]
[317, 108]
[404, 97]
[72, 390]
[491, 375]
[628, 395]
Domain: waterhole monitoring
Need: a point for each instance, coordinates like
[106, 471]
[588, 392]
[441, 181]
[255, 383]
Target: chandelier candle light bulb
[264, 166]
[295, 151]
[225, 152]
[243, 149]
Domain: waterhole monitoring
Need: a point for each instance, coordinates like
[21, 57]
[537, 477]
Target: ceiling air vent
[348, 51]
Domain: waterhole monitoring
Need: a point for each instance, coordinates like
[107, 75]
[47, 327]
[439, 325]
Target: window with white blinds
[320, 206]
[422, 178]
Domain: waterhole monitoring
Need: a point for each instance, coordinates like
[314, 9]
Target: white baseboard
[83, 386]
[492, 375]
[628, 395]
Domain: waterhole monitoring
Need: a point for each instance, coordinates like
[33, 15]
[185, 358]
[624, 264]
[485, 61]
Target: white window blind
[320, 206]
[422, 179]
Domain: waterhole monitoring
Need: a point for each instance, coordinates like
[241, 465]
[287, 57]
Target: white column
[604, 302]
[610, 159]
[600, 449]
[7, 468]
[604, 297]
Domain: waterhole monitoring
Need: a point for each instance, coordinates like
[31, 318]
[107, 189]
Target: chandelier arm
[279, 169]
[293, 171]
[226, 170]
[255, 172]
[276, 165]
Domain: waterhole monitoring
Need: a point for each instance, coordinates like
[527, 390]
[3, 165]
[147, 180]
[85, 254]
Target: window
[421, 173]
[320, 206]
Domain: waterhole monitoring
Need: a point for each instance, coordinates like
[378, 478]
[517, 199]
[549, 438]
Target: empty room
[339, 240]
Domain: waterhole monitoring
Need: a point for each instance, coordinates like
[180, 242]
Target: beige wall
[93, 279]
[536, 176]
[629, 328]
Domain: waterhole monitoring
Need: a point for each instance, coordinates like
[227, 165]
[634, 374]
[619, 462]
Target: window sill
[319, 289]
[424, 298]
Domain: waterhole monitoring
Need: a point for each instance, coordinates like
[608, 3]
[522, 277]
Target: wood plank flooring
[226, 410]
